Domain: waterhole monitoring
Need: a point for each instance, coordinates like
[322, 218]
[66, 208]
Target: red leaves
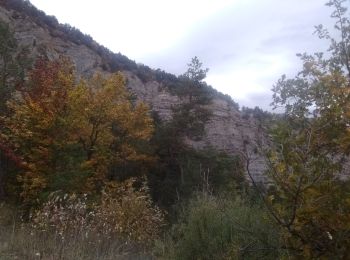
[9, 154]
[49, 80]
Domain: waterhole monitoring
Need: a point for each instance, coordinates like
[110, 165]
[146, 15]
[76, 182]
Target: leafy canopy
[71, 135]
[308, 197]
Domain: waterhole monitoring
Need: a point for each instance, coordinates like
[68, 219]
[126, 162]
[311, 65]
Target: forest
[89, 172]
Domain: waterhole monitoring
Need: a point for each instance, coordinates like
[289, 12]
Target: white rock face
[226, 130]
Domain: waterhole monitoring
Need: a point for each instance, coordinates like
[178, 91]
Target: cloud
[247, 44]
[258, 99]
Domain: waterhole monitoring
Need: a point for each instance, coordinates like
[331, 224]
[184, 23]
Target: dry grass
[20, 240]
[122, 226]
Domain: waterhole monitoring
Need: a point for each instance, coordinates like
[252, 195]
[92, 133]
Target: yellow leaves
[53, 116]
[108, 125]
[32, 185]
[142, 125]
[270, 198]
[281, 167]
[102, 113]
[129, 212]
[122, 212]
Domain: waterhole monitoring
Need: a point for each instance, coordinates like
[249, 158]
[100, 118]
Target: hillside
[226, 130]
[104, 158]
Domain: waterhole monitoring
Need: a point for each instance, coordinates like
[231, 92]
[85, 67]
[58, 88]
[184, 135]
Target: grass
[18, 240]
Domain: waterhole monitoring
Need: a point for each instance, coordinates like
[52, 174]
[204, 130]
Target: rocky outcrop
[226, 130]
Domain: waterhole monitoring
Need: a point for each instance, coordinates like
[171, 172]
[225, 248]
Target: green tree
[169, 179]
[181, 169]
[190, 117]
[194, 77]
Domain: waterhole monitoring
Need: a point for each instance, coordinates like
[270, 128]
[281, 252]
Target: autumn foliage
[308, 163]
[71, 135]
[123, 212]
[74, 153]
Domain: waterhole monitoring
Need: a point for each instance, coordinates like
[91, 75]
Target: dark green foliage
[195, 71]
[182, 169]
[256, 113]
[191, 116]
[264, 119]
[189, 120]
[213, 228]
[192, 86]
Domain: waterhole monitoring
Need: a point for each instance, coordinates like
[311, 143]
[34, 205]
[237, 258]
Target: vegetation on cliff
[88, 172]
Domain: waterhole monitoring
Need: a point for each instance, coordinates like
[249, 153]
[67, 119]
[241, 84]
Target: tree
[109, 128]
[195, 71]
[193, 81]
[190, 117]
[308, 198]
[171, 178]
[70, 136]
[321, 90]
[36, 129]
[181, 169]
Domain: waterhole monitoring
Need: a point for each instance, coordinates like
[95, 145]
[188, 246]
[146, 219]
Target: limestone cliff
[226, 130]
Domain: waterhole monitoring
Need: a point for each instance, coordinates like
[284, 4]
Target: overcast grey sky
[246, 44]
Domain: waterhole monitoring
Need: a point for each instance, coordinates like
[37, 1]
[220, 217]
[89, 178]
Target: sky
[246, 44]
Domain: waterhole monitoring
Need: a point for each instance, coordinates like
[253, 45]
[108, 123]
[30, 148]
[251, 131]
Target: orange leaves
[9, 154]
[49, 84]
[34, 127]
[102, 113]
[107, 124]
[68, 133]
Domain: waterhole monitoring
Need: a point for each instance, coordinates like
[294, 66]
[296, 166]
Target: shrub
[128, 212]
[213, 228]
[122, 212]
[66, 215]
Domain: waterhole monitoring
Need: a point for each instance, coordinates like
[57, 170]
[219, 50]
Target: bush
[213, 228]
[129, 213]
[121, 224]
[122, 214]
